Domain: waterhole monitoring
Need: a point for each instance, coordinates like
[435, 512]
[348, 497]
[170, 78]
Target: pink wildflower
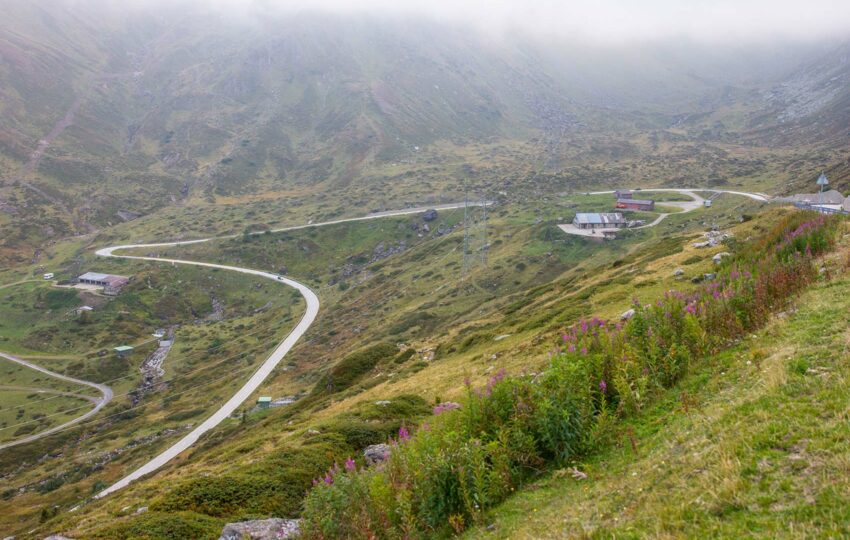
[447, 406]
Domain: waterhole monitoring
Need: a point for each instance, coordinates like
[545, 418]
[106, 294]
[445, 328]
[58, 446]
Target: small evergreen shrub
[353, 367]
[162, 526]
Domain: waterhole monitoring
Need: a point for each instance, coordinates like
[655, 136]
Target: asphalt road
[754, 196]
[105, 397]
[276, 356]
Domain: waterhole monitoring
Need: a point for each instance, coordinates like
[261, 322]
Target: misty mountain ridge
[187, 103]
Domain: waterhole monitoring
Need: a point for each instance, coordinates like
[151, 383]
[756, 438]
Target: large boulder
[719, 257]
[430, 215]
[376, 453]
[261, 529]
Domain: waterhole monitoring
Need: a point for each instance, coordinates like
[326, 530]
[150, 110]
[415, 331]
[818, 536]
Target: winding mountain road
[99, 403]
[762, 197]
[274, 358]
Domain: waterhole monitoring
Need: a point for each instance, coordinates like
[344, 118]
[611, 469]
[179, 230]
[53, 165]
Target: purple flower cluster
[332, 472]
[585, 327]
[445, 406]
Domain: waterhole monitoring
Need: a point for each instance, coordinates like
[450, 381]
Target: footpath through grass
[753, 445]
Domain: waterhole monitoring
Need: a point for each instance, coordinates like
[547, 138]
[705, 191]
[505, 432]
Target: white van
[48, 275]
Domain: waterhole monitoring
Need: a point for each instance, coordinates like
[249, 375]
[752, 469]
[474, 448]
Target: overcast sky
[611, 20]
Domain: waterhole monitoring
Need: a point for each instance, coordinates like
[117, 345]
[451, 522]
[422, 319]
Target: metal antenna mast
[485, 246]
[474, 232]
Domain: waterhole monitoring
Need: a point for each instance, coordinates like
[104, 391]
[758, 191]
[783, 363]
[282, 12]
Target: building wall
[635, 206]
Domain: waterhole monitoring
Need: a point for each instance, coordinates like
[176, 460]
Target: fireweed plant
[471, 456]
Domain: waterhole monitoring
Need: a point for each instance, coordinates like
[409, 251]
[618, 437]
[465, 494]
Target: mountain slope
[747, 448]
[109, 112]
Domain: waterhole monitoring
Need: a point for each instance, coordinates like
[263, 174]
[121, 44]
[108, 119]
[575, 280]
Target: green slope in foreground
[755, 445]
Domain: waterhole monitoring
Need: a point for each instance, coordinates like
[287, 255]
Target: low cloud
[601, 21]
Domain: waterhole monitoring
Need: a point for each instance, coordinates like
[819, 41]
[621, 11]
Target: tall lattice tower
[475, 245]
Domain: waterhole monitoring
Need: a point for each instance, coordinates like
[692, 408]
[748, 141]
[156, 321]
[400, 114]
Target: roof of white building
[595, 218]
[94, 276]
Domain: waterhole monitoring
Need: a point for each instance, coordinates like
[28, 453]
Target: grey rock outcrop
[261, 529]
[718, 258]
[376, 453]
[430, 215]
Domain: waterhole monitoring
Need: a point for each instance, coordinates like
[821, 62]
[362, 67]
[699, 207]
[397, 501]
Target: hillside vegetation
[750, 445]
[455, 469]
[496, 360]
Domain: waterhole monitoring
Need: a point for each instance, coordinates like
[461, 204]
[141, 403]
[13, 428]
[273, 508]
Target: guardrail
[821, 209]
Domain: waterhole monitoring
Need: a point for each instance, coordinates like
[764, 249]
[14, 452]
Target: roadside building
[264, 402]
[635, 204]
[123, 350]
[623, 194]
[111, 284]
[614, 220]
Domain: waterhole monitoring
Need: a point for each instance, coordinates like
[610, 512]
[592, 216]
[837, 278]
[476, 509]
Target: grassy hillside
[117, 125]
[749, 446]
[478, 327]
[462, 464]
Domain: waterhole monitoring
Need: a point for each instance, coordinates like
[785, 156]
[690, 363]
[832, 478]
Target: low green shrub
[61, 298]
[162, 526]
[360, 434]
[272, 487]
[351, 368]
[404, 356]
